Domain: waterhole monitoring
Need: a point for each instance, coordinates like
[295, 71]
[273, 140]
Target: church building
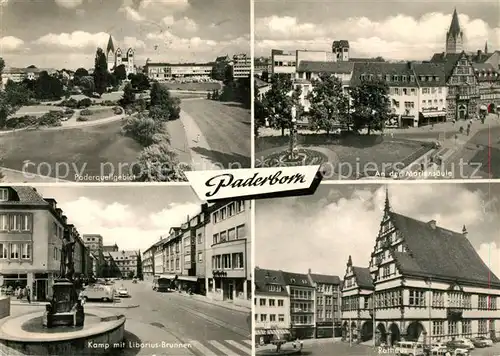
[428, 284]
[116, 58]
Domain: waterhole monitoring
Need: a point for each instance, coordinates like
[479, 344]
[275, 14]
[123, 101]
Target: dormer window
[363, 77]
[292, 280]
[304, 281]
[412, 78]
[404, 78]
[4, 194]
[429, 79]
[388, 77]
[395, 78]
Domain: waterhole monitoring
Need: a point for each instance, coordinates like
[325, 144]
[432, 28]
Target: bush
[70, 103]
[142, 129]
[84, 103]
[51, 119]
[159, 163]
[117, 110]
[161, 138]
[108, 103]
[69, 112]
[86, 112]
[21, 122]
[82, 118]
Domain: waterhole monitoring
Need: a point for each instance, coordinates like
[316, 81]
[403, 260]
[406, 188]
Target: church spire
[349, 261]
[111, 46]
[387, 205]
[455, 25]
[486, 47]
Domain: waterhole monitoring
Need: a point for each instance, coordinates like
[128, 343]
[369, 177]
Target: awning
[167, 276]
[272, 331]
[188, 278]
[433, 113]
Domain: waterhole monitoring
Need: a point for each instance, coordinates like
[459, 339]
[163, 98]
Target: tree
[159, 163]
[329, 104]
[128, 96]
[228, 75]
[17, 94]
[140, 275]
[259, 113]
[80, 72]
[371, 105]
[5, 109]
[142, 129]
[278, 102]
[120, 72]
[265, 76]
[158, 114]
[101, 76]
[48, 87]
[219, 70]
[2, 66]
[167, 105]
[140, 82]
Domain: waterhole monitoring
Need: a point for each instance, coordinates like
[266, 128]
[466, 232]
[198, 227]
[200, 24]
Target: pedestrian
[301, 344]
[28, 294]
[454, 121]
[468, 130]
[197, 138]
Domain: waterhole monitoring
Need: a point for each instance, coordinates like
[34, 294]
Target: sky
[65, 33]
[319, 232]
[395, 29]
[132, 217]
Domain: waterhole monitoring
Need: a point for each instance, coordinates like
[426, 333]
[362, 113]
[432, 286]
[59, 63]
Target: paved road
[208, 329]
[224, 130]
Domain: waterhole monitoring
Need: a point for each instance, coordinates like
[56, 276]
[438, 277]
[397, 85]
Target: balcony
[454, 314]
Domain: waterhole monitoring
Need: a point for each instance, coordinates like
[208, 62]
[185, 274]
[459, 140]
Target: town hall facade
[428, 283]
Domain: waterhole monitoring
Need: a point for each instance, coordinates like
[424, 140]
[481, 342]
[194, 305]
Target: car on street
[122, 292]
[484, 339]
[479, 344]
[134, 280]
[408, 348]
[460, 343]
[444, 351]
[98, 292]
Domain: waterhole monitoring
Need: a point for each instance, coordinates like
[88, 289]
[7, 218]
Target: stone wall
[4, 307]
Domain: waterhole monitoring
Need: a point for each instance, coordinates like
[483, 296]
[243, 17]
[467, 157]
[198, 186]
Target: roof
[13, 70]
[340, 44]
[378, 59]
[438, 252]
[22, 195]
[125, 254]
[110, 46]
[161, 64]
[325, 67]
[259, 83]
[325, 279]
[265, 277]
[455, 25]
[297, 279]
[435, 70]
[381, 70]
[363, 277]
[480, 57]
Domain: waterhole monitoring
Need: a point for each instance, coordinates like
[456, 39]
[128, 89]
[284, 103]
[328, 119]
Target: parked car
[461, 343]
[98, 292]
[409, 348]
[122, 292]
[485, 339]
[479, 343]
[444, 351]
[134, 280]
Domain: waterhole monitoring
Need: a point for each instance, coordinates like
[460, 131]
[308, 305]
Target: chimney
[309, 271]
[409, 65]
[432, 224]
[464, 231]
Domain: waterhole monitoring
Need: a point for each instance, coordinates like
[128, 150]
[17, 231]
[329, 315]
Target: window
[466, 328]
[482, 327]
[226, 261]
[223, 213]
[417, 298]
[200, 256]
[438, 299]
[216, 239]
[262, 302]
[240, 231]
[4, 222]
[231, 209]
[272, 303]
[240, 206]
[272, 317]
[200, 239]
[386, 271]
[263, 317]
[437, 328]
[238, 260]
[4, 194]
[452, 328]
[14, 251]
[223, 236]
[215, 217]
[231, 234]
[492, 302]
[280, 302]
[281, 317]
[482, 302]
[26, 251]
[3, 251]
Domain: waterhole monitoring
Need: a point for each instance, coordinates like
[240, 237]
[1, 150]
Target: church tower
[110, 54]
[454, 36]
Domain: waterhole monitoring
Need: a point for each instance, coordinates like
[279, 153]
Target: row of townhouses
[423, 282]
[32, 229]
[452, 85]
[209, 253]
[294, 305]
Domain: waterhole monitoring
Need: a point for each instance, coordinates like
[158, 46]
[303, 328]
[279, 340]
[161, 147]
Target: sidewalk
[306, 342]
[221, 304]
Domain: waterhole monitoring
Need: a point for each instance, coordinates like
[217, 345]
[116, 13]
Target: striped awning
[271, 332]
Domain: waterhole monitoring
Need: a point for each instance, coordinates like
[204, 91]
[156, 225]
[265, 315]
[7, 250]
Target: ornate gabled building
[429, 284]
[116, 58]
[454, 36]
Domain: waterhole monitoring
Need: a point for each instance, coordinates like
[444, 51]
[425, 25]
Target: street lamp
[293, 133]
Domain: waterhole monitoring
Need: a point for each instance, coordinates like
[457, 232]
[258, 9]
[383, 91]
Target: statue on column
[67, 268]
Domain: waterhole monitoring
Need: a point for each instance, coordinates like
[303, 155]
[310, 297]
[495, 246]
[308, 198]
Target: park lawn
[193, 86]
[360, 152]
[87, 148]
[98, 113]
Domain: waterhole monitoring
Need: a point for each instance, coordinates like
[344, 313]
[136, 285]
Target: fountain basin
[273, 352]
[103, 331]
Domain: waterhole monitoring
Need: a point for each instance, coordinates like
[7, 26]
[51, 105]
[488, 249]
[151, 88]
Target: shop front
[187, 283]
[302, 332]
[324, 329]
[39, 283]
[264, 336]
[429, 116]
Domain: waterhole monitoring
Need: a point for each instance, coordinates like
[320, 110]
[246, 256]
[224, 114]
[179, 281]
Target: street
[163, 320]
[339, 348]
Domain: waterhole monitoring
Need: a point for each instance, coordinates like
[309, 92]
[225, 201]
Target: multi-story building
[148, 262]
[242, 65]
[31, 232]
[92, 266]
[110, 267]
[228, 253]
[341, 50]
[110, 248]
[158, 258]
[489, 86]
[94, 243]
[115, 58]
[302, 305]
[283, 62]
[271, 306]
[169, 71]
[18, 75]
[126, 262]
[422, 288]
[432, 92]
[327, 304]
[80, 252]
